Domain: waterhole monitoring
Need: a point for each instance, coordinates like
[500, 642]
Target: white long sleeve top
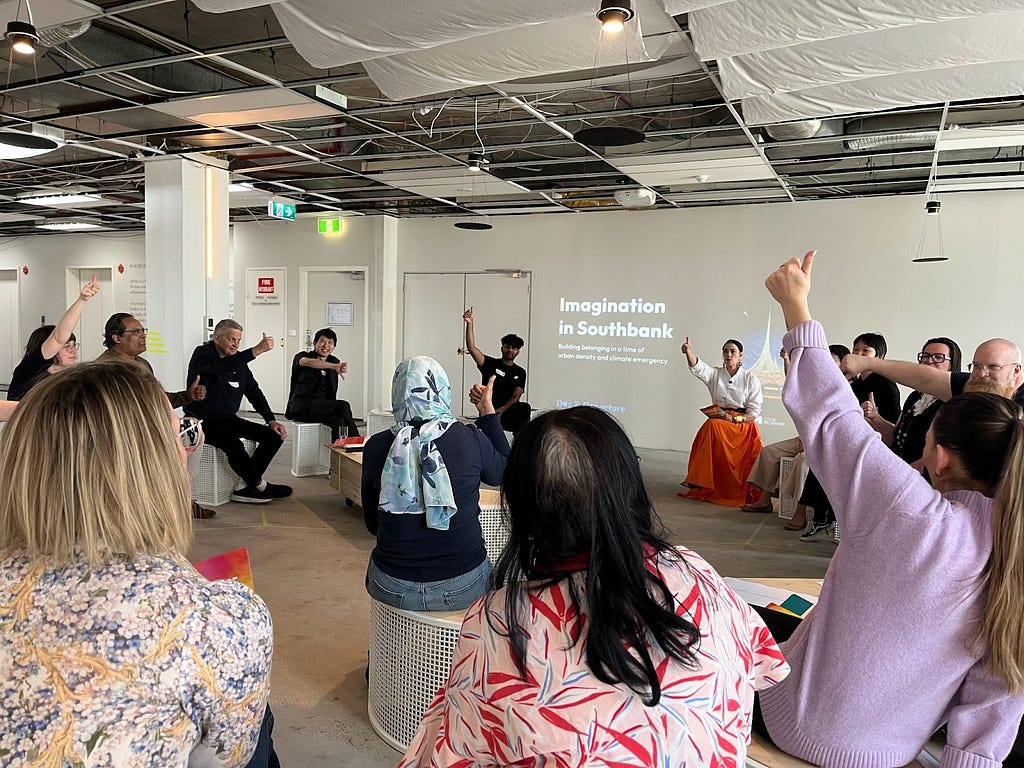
[740, 391]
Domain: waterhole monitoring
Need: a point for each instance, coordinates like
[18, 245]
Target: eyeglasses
[190, 432]
[989, 367]
[933, 357]
[134, 332]
[71, 345]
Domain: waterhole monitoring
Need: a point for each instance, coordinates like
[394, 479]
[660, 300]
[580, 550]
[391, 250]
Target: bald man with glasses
[995, 367]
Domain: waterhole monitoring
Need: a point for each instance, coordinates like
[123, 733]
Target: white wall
[706, 265]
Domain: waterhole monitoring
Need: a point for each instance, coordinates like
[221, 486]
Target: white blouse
[740, 391]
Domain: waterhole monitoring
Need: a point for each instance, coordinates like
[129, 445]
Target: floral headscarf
[415, 480]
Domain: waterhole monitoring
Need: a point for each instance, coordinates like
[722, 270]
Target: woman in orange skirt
[726, 447]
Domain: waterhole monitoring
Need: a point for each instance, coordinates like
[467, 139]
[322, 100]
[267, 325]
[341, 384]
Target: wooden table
[347, 475]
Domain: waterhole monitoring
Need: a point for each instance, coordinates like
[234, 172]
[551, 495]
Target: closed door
[265, 314]
[11, 343]
[433, 324]
[89, 331]
[337, 300]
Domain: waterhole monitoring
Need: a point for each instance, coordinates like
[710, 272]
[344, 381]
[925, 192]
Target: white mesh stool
[787, 504]
[378, 421]
[311, 448]
[492, 524]
[410, 655]
[215, 480]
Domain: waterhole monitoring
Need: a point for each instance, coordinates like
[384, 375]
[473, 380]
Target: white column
[385, 299]
[187, 270]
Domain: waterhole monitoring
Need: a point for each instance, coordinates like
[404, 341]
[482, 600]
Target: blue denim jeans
[453, 594]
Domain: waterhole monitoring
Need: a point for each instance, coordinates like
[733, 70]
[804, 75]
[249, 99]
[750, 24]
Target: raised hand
[264, 346]
[468, 316]
[481, 397]
[868, 406]
[789, 285]
[687, 348]
[854, 365]
[90, 289]
[196, 391]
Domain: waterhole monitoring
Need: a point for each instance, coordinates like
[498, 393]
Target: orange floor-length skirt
[721, 458]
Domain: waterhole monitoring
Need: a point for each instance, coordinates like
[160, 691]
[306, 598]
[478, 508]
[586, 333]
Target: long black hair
[575, 500]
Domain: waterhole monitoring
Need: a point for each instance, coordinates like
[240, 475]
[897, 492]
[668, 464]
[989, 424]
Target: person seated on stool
[509, 378]
[114, 651]
[224, 371]
[919, 620]
[421, 493]
[726, 446]
[313, 396]
[603, 644]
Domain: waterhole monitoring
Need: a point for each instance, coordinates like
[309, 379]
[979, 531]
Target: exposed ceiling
[849, 106]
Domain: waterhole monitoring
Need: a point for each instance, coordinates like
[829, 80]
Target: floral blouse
[562, 716]
[129, 665]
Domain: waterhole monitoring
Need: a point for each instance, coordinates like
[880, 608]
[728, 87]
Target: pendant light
[929, 247]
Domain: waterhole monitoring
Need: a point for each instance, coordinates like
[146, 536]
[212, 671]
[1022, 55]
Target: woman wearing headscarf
[421, 493]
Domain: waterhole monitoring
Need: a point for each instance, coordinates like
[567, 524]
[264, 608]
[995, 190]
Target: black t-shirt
[958, 380]
[29, 371]
[887, 395]
[507, 378]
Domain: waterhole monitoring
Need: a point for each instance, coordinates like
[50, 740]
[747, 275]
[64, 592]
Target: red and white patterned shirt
[562, 716]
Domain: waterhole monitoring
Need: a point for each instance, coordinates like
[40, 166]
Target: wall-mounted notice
[339, 313]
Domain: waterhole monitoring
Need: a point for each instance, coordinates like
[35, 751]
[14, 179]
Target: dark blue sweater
[406, 548]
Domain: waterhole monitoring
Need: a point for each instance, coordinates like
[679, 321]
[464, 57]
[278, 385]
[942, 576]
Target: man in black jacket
[314, 389]
[224, 371]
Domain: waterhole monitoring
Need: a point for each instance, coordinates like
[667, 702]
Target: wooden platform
[347, 475]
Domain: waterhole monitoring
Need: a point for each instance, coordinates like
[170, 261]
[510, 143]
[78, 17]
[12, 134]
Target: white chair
[213, 483]
[311, 448]
[378, 421]
[787, 504]
[410, 655]
[495, 532]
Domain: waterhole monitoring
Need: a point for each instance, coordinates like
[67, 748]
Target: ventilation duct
[902, 132]
[805, 129]
[51, 37]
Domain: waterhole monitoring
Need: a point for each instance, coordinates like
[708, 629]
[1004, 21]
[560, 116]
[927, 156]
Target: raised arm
[66, 325]
[923, 378]
[471, 347]
[688, 353]
[325, 365]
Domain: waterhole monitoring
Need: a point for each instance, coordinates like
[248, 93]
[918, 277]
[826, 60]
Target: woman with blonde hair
[113, 650]
[919, 619]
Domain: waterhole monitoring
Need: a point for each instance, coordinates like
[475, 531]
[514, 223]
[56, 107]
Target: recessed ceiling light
[60, 199]
[68, 226]
[239, 186]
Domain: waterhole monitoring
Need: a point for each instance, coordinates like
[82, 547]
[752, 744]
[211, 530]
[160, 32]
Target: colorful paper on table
[780, 609]
[228, 565]
[797, 605]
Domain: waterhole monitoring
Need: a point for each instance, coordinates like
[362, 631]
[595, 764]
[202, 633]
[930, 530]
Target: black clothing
[30, 371]
[507, 378]
[908, 436]
[313, 397]
[887, 395]
[226, 380]
[406, 548]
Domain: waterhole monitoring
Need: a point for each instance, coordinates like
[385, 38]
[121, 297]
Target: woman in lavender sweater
[919, 620]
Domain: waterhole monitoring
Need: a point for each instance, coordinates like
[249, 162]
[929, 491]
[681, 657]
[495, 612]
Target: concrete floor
[309, 554]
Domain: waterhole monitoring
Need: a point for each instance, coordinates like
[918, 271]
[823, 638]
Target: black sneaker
[251, 495]
[814, 530]
[278, 491]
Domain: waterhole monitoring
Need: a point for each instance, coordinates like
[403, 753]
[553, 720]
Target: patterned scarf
[415, 480]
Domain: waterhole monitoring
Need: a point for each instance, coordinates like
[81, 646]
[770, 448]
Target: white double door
[433, 325]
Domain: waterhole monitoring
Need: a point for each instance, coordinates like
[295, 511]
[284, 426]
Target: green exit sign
[281, 209]
[328, 226]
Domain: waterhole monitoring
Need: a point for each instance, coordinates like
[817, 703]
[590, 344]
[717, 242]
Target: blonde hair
[90, 469]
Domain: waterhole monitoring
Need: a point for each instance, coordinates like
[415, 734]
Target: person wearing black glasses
[995, 368]
[906, 436]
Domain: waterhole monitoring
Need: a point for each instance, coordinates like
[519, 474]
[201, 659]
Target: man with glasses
[224, 370]
[125, 340]
[995, 367]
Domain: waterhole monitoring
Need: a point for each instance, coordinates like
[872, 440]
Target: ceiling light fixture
[929, 247]
[614, 14]
[59, 199]
[68, 226]
[477, 161]
[239, 186]
[22, 36]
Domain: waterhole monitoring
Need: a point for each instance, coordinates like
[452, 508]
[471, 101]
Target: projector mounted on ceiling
[635, 198]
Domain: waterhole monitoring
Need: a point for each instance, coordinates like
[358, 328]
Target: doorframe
[304, 273]
[285, 369]
[15, 331]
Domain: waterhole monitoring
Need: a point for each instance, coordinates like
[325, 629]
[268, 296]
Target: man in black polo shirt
[509, 378]
[314, 390]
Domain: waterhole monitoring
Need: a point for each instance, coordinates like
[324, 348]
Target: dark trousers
[265, 756]
[814, 496]
[516, 417]
[332, 413]
[227, 434]
[782, 626]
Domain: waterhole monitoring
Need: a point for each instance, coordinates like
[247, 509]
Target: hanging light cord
[476, 125]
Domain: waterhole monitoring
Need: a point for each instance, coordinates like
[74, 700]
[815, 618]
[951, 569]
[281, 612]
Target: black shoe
[278, 491]
[251, 495]
[814, 530]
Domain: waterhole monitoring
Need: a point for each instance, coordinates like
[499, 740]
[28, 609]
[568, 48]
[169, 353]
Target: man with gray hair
[224, 371]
